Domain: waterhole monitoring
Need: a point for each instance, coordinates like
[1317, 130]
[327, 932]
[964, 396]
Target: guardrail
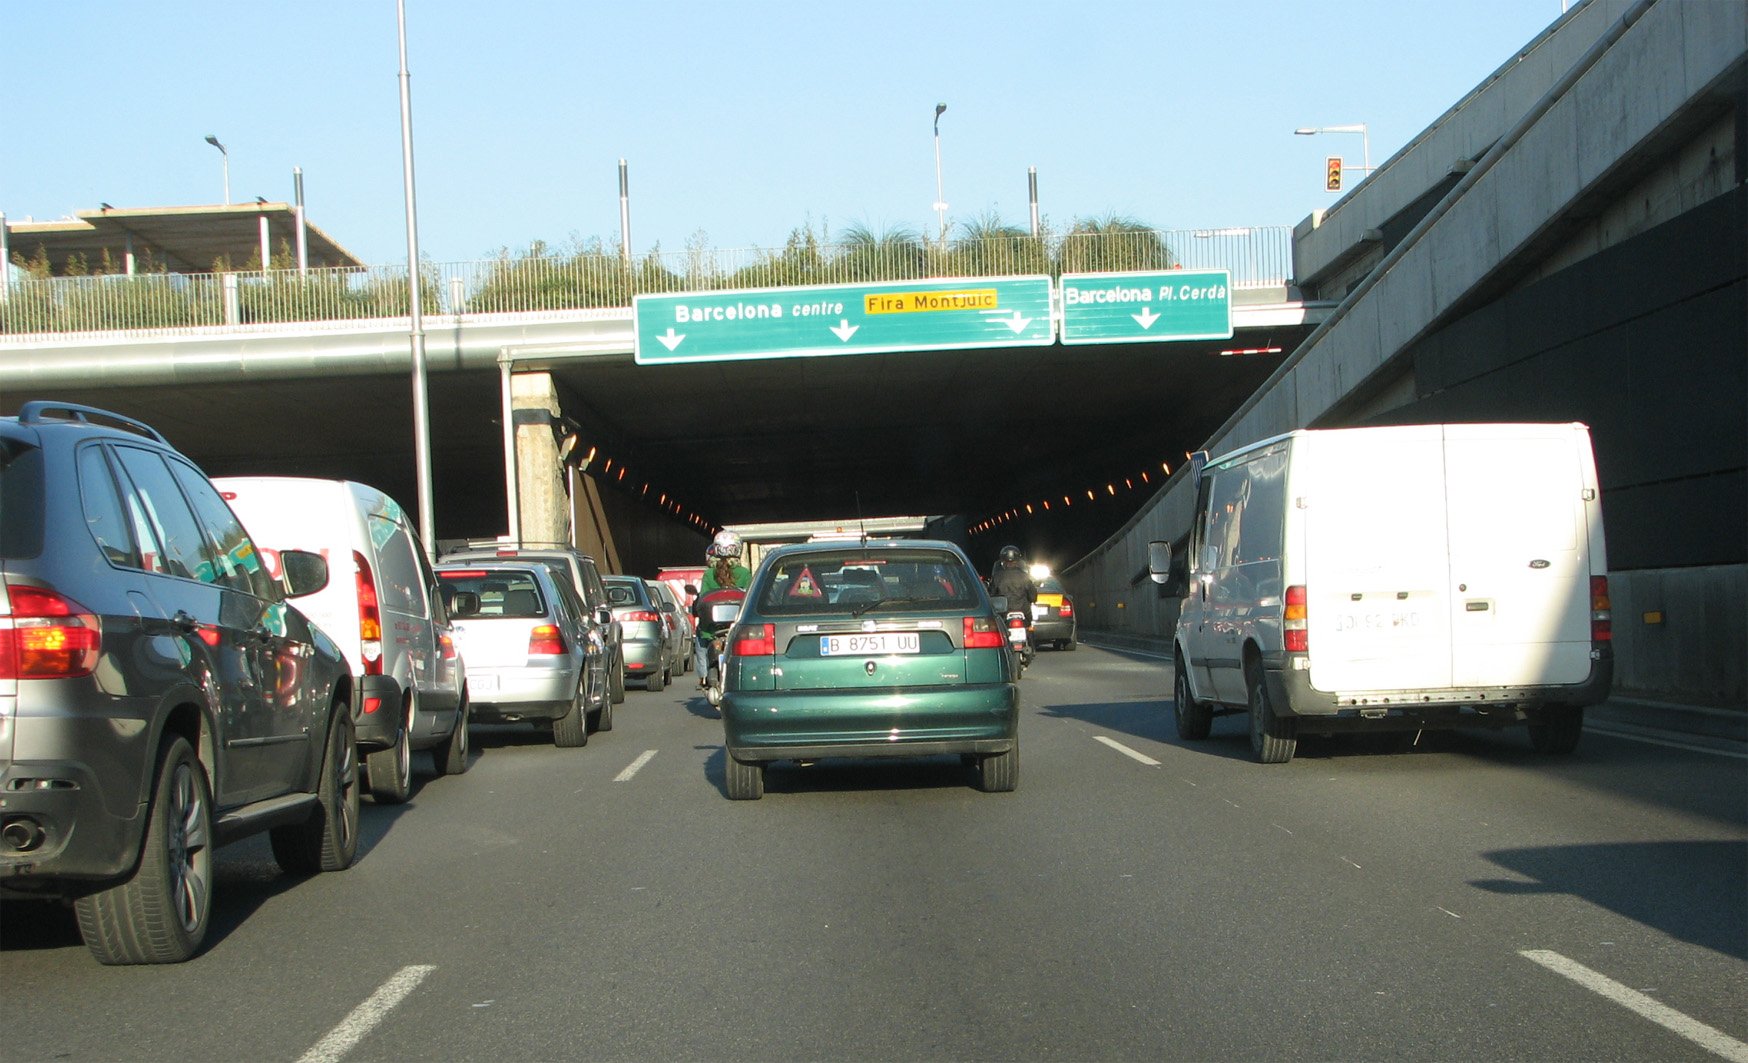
[545, 280]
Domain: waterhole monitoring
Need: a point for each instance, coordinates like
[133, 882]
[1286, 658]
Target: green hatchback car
[887, 648]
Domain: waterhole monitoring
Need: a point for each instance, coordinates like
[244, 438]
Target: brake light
[641, 616]
[1295, 636]
[546, 640]
[47, 636]
[750, 641]
[1066, 608]
[982, 634]
[1016, 620]
[447, 645]
[462, 573]
[1601, 611]
[369, 618]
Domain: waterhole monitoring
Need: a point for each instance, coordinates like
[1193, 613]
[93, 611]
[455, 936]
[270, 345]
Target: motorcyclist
[725, 579]
[1011, 579]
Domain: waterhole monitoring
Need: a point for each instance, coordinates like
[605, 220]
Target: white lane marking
[1127, 752]
[344, 1037]
[1350, 863]
[1714, 1041]
[1647, 740]
[1448, 912]
[632, 769]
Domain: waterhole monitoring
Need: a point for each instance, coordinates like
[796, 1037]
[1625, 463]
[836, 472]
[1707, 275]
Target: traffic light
[1332, 173]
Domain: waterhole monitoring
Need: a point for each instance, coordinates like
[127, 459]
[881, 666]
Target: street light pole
[421, 392]
[1356, 127]
[940, 196]
[214, 141]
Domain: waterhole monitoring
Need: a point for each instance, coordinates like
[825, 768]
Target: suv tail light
[982, 634]
[369, 618]
[546, 640]
[45, 635]
[1295, 636]
[752, 641]
[1601, 611]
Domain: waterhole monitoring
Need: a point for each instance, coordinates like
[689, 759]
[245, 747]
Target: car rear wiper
[887, 601]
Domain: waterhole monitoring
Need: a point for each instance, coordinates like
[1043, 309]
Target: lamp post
[416, 330]
[1356, 127]
[214, 141]
[940, 196]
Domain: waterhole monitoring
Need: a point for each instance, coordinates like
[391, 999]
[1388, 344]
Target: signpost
[951, 313]
[1179, 304]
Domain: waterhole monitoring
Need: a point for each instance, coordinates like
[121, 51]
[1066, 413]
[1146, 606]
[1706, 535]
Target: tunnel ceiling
[965, 433]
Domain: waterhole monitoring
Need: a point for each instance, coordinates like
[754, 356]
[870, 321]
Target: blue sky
[740, 119]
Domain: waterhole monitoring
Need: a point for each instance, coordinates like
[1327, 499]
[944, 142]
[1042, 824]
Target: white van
[1394, 578]
[382, 606]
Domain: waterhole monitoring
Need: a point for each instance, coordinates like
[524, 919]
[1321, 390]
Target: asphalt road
[1137, 898]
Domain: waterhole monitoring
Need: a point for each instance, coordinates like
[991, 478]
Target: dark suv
[579, 569]
[158, 696]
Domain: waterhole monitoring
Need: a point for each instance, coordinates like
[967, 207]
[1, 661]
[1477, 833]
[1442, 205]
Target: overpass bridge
[1565, 243]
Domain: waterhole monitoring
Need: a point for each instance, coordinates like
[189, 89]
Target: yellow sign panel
[1049, 599]
[925, 302]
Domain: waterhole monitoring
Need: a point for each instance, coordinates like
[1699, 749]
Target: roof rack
[38, 411]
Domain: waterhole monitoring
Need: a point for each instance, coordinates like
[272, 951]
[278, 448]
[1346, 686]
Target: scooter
[715, 618]
[1020, 639]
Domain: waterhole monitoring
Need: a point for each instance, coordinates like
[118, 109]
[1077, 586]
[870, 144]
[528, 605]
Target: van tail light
[369, 617]
[751, 641]
[447, 646]
[1295, 637]
[546, 640]
[45, 635]
[1066, 608]
[641, 616]
[1601, 611]
[982, 634]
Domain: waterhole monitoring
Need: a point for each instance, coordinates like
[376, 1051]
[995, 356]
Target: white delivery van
[1394, 578]
[382, 606]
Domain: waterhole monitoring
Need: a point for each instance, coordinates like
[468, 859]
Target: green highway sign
[944, 314]
[1178, 304]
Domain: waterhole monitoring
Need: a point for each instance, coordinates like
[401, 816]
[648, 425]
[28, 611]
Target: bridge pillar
[541, 508]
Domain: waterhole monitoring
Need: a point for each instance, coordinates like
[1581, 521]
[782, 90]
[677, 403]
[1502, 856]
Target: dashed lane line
[344, 1037]
[1127, 752]
[635, 766]
[1712, 1040]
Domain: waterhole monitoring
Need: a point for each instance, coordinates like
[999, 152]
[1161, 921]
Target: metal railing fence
[547, 280]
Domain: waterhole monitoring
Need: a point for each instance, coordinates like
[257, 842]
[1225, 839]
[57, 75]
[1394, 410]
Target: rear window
[850, 579]
[624, 594]
[471, 593]
[21, 499]
[1051, 585]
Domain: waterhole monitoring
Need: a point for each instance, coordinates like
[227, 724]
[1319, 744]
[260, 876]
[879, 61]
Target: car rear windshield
[853, 579]
[491, 593]
[619, 593]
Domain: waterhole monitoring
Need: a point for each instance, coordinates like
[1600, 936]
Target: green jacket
[743, 578]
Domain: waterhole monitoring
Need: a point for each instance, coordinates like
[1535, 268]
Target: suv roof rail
[37, 411]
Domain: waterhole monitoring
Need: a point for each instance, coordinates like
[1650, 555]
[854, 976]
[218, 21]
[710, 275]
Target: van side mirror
[303, 572]
[1159, 561]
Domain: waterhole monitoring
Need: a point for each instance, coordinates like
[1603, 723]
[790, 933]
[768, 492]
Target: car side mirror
[303, 572]
[604, 616]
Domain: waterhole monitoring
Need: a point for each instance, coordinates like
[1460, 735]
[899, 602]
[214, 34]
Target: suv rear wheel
[160, 914]
[328, 840]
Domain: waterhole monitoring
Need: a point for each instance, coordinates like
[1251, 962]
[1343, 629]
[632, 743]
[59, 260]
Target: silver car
[531, 656]
[647, 637]
[668, 601]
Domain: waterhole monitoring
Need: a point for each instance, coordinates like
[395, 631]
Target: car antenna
[860, 523]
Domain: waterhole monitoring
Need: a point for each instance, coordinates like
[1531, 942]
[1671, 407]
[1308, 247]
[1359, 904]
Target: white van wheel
[1273, 738]
[390, 770]
[1194, 718]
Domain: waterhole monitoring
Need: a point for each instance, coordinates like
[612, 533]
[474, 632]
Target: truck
[1393, 578]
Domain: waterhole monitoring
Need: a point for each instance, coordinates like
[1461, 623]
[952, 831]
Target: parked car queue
[187, 662]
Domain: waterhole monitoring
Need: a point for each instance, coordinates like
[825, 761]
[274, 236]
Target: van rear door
[1520, 569]
[1374, 562]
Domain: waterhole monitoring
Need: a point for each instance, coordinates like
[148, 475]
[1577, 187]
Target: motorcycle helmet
[1010, 555]
[726, 544]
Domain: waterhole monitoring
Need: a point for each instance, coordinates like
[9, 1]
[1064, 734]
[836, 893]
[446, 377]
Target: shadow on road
[849, 775]
[1694, 891]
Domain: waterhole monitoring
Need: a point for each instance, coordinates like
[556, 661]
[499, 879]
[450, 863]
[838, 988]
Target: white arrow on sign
[670, 341]
[1017, 323]
[844, 329]
[1146, 317]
